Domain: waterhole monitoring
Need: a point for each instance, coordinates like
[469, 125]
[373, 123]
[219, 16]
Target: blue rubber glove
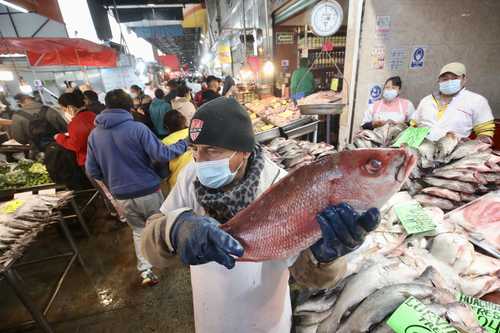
[343, 230]
[199, 240]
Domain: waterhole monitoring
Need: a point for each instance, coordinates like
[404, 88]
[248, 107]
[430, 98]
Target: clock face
[326, 18]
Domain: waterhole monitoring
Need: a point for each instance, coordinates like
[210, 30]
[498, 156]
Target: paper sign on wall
[377, 57]
[383, 27]
[418, 57]
[397, 57]
[375, 93]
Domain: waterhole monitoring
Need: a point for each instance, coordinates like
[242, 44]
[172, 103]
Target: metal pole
[15, 282]
[268, 40]
[244, 30]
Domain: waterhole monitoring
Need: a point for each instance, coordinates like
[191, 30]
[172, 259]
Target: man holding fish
[454, 108]
[240, 275]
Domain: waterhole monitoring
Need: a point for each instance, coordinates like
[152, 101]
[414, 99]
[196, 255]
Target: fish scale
[282, 221]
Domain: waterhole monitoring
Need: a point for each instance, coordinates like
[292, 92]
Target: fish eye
[373, 166]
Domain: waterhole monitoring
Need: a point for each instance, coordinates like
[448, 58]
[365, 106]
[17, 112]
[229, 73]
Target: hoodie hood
[112, 117]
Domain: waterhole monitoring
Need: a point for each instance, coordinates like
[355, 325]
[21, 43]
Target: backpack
[63, 169]
[41, 131]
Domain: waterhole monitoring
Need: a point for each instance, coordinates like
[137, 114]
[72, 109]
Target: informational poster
[377, 57]
[284, 38]
[375, 94]
[417, 58]
[383, 27]
[285, 63]
[397, 57]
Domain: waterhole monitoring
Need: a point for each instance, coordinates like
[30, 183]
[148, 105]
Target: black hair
[91, 95]
[20, 98]
[211, 78]
[172, 84]
[159, 93]
[136, 87]
[396, 81]
[75, 98]
[303, 62]
[118, 99]
[183, 91]
[174, 121]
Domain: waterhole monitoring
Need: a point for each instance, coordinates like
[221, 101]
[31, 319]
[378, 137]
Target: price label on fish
[487, 314]
[412, 137]
[414, 317]
[413, 218]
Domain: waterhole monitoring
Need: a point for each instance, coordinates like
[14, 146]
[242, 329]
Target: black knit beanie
[224, 123]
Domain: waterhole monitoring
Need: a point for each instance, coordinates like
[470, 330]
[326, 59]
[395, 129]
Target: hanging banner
[224, 53]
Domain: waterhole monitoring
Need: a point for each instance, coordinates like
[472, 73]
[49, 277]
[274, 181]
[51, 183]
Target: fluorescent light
[268, 68]
[6, 76]
[11, 5]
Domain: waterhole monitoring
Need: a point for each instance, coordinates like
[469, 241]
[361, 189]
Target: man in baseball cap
[454, 108]
[228, 173]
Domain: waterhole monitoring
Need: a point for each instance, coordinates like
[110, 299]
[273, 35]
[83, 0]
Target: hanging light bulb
[268, 68]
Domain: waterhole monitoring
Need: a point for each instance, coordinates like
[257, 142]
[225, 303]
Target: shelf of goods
[271, 114]
[25, 175]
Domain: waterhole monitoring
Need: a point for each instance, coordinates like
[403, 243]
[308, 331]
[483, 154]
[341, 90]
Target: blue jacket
[157, 111]
[121, 152]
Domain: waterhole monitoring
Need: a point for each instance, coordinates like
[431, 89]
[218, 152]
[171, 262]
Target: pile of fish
[321, 97]
[292, 154]
[22, 219]
[371, 282]
[450, 172]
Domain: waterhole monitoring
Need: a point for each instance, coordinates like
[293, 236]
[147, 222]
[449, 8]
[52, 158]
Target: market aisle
[107, 299]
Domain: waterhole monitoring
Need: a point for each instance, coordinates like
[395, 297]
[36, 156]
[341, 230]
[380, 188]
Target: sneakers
[149, 278]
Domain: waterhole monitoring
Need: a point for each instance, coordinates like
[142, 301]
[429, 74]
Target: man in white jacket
[229, 172]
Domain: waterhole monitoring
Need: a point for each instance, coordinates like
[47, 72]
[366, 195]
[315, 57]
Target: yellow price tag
[286, 114]
[334, 85]
[11, 206]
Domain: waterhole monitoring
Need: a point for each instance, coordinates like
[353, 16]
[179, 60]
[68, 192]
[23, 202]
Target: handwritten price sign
[414, 317]
[487, 314]
[413, 218]
[412, 137]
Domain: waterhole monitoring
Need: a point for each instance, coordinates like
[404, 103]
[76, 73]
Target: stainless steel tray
[302, 130]
[322, 109]
[296, 123]
[267, 135]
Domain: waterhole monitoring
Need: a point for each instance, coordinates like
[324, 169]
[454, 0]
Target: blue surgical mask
[390, 94]
[450, 87]
[215, 174]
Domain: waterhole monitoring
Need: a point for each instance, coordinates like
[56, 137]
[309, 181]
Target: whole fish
[369, 135]
[383, 302]
[362, 143]
[492, 177]
[282, 221]
[460, 316]
[454, 185]
[464, 175]
[467, 197]
[442, 193]
[429, 200]
[427, 150]
[445, 146]
[475, 162]
[467, 148]
[386, 273]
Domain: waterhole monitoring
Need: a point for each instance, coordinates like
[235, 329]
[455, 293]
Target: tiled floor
[107, 297]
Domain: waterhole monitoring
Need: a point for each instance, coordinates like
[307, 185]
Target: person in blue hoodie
[123, 153]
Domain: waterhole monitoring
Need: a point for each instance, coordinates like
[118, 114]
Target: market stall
[21, 221]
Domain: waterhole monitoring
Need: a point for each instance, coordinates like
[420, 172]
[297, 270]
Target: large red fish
[282, 221]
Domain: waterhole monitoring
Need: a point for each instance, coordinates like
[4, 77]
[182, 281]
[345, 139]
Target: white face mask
[134, 95]
[215, 174]
[390, 94]
[450, 87]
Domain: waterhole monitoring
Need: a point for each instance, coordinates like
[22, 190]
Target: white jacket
[251, 297]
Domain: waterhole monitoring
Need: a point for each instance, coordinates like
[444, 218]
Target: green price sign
[412, 136]
[413, 218]
[414, 317]
[487, 314]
